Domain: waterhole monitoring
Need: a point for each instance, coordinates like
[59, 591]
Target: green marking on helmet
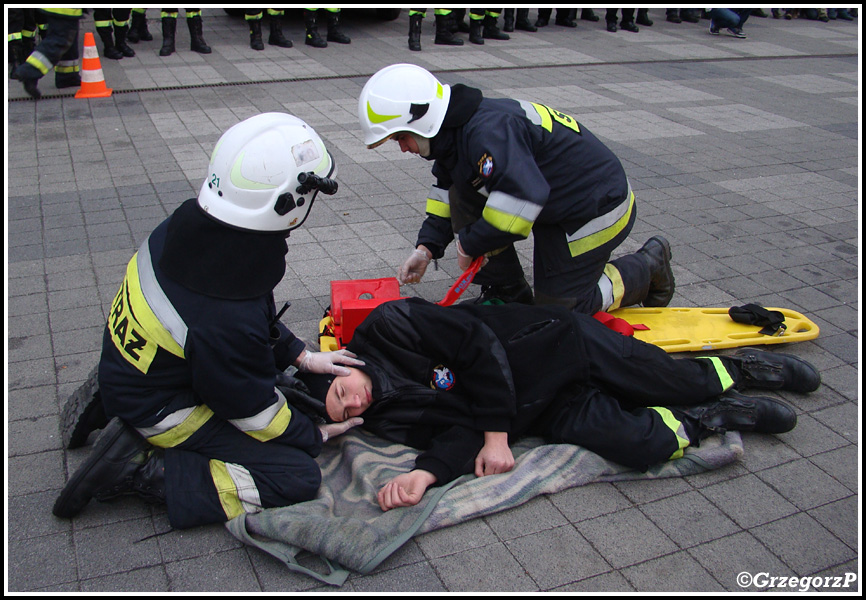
[376, 117]
[439, 90]
[242, 182]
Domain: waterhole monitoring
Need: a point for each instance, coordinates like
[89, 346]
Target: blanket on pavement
[346, 529]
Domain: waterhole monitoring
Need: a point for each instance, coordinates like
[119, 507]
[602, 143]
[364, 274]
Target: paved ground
[744, 153]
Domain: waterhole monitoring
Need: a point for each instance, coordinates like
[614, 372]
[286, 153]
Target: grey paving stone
[626, 537]
[557, 557]
[748, 501]
[726, 559]
[688, 519]
[672, 573]
[803, 544]
[485, 569]
[228, 571]
[536, 515]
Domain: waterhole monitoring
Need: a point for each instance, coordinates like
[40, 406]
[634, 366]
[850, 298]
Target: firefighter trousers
[219, 473]
[626, 411]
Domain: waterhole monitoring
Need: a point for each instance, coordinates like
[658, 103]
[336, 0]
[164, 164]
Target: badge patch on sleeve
[443, 378]
[485, 165]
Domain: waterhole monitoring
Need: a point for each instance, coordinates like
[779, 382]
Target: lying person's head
[344, 396]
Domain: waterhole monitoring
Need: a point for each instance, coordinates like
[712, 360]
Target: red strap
[462, 283]
[619, 325]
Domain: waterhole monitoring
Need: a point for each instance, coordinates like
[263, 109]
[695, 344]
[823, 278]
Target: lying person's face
[349, 395]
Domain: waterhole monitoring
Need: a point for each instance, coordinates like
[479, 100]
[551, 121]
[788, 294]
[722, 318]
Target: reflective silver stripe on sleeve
[156, 298]
[512, 205]
[438, 194]
[264, 418]
[172, 420]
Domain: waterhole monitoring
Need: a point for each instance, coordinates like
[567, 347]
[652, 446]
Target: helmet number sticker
[214, 180]
[305, 152]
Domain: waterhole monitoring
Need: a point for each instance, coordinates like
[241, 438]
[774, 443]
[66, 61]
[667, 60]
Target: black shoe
[643, 19]
[503, 294]
[674, 18]
[629, 26]
[82, 414]
[611, 26]
[31, 86]
[758, 12]
[657, 253]
[773, 371]
[733, 411]
[117, 454]
[587, 14]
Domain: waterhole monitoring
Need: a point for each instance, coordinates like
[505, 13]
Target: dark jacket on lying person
[442, 377]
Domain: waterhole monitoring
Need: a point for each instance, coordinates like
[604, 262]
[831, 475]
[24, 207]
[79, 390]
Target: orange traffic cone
[92, 79]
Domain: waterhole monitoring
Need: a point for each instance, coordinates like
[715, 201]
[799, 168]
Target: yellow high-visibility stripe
[674, 425]
[226, 490]
[618, 290]
[597, 232]
[267, 424]
[169, 433]
[725, 379]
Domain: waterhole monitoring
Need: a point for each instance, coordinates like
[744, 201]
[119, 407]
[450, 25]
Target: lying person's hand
[332, 430]
[328, 363]
[495, 457]
[405, 490]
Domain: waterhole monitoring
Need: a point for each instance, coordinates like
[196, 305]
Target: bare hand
[405, 490]
[495, 457]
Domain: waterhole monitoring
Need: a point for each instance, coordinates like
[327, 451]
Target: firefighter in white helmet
[193, 349]
[504, 169]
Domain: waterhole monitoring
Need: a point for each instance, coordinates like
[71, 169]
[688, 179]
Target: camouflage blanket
[347, 530]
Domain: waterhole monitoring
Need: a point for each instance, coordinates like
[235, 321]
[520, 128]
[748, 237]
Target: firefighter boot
[523, 23]
[169, 28]
[256, 42]
[733, 411]
[121, 34]
[774, 371]
[657, 255]
[508, 20]
[83, 413]
[16, 55]
[109, 51]
[138, 29]
[116, 465]
[334, 33]
[196, 38]
[444, 35]
[312, 37]
[276, 37]
[476, 31]
[29, 76]
[519, 291]
[491, 30]
[415, 21]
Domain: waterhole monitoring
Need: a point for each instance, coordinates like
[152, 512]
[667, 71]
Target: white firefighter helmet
[399, 98]
[252, 180]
